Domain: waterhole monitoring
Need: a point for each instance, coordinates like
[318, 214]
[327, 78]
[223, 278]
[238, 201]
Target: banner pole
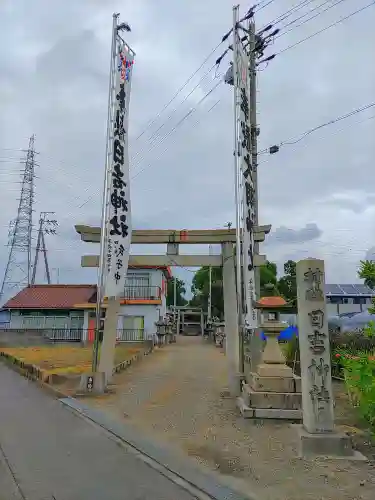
[99, 291]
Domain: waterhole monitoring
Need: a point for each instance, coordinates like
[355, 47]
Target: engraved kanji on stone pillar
[317, 399]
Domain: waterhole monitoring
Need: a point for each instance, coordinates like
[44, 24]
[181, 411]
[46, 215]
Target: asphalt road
[55, 454]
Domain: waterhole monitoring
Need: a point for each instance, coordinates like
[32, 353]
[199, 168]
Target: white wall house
[144, 302]
[71, 308]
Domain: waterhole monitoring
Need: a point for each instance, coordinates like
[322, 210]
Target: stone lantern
[273, 360]
[272, 391]
[160, 331]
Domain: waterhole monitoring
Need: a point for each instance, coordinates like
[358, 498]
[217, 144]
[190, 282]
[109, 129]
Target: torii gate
[173, 238]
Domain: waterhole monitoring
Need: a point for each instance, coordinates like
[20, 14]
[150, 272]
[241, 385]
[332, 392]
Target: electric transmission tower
[18, 269]
[46, 226]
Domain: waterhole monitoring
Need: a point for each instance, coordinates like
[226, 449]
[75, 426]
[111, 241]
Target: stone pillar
[317, 434]
[231, 320]
[107, 348]
[272, 391]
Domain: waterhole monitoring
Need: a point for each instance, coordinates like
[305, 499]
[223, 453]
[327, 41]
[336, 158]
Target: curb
[136, 357]
[26, 373]
[163, 458]
[33, 372]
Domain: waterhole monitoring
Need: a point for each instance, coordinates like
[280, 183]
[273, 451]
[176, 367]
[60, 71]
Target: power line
[288, 13]
[177, 126]
[179, 123]
[153, 120]
[310, 18]
[155, 135]
[260, 6]
[326, 28]
[275, 148]
[166, 149]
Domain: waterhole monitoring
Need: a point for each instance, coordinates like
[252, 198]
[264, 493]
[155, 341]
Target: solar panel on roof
[349, 289]
[364, 289]
[332, 289]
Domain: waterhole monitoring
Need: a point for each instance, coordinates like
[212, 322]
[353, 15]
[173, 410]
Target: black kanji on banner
[119, 227]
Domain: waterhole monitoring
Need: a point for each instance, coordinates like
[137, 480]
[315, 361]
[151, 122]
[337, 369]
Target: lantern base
[268, 413]
[273, 397]
[274, 370]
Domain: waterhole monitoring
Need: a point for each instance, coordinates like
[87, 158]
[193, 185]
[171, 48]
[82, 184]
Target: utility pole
[256, 341]
[46, 226]
[18, 269]
[209, 305]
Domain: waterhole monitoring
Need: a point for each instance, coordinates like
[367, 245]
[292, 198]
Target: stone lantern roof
[271, 303]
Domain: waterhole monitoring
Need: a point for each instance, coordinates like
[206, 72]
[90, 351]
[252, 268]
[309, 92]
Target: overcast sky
[318, 194]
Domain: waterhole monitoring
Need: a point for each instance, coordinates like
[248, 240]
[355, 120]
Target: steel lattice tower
[18, 269]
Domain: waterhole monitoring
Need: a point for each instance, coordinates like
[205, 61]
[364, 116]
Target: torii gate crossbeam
[173, 238]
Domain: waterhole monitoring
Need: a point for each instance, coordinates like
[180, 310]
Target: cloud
[355, 201]
[285, 235]
[370, 254]
[54, 83]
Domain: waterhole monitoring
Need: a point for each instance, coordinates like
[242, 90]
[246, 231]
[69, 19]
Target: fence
[79, 335]
[136, 335]
[34, 336]
[142, 292]
[29, 337]
[63, 334]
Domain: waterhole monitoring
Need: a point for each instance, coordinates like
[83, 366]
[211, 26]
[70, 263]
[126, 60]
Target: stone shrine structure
[173, 238]
[317, 434]
[272, 391]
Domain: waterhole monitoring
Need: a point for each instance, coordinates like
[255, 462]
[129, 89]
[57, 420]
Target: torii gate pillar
[231, 320]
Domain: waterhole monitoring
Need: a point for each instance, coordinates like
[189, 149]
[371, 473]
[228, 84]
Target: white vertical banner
[247, 185]
[118, 216]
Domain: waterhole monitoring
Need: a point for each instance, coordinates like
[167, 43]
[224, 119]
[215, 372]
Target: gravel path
[178, 395]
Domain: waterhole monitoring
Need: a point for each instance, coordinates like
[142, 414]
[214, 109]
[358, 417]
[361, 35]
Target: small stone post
[317, 434]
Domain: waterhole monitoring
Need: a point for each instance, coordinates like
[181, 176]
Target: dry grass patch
[65, 360]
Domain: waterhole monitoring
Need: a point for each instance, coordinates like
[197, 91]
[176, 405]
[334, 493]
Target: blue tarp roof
[286, 334]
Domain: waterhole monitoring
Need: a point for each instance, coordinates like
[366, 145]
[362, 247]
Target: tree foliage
[200, 290]
[367, 272]
[269, 285]
[287, 284]
[268, 279]
[180, 289]
[200, 287]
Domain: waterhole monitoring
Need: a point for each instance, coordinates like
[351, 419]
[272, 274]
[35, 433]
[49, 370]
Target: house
[4, 319]
[68, 311]
[348, 298]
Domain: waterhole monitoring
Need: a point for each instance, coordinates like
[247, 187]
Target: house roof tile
[51, 297]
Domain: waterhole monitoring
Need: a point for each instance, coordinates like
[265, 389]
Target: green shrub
[359, 371]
